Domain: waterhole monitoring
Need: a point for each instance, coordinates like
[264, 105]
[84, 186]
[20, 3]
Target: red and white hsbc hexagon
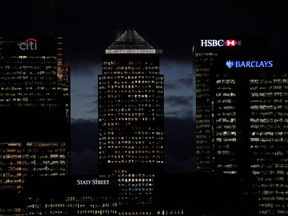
[219, 43]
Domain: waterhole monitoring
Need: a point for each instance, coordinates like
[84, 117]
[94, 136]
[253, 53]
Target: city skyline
[87, 30]
[80, 35]
[116, 87]
[241, 112]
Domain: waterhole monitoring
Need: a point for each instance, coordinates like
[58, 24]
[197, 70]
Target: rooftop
[131, 42]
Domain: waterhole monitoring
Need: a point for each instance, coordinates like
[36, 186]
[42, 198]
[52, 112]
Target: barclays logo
[229, 64]
[249, 64]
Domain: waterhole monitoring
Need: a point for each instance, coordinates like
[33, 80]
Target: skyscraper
[70, 195]
[34, 110]
[247, 126]
[258, 91]
[131, 118]
[206, 52]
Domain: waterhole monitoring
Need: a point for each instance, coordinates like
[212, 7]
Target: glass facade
[268, 136]
[216, 97]
[131, 119]
[247, 131]
[204, 63]
[64, 195]
[241, 122]
[34, 111]
[33, 78]
[19, 160]
[225, 126]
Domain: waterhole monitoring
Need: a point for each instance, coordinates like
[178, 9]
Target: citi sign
[219, 43]
[249, 64]
[29, 44]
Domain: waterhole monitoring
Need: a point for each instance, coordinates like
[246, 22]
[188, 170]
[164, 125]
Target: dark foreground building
[198, 194]
[34, 111]
[71, 195]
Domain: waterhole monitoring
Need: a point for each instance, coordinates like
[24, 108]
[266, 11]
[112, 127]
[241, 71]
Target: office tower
[197, 194]
[71, 195]
[206, 51]
[131, 118]
[248, 126]
[257, 90]
[34, 110]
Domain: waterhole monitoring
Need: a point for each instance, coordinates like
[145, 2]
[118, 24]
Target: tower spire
[131, 42]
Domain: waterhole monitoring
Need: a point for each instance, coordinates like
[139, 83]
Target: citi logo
[219, 43]
[29, 44]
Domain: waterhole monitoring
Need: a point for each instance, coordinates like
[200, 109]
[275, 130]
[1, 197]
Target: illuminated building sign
[29, 44]
[219, 43]
[92, 182]
[249, 64]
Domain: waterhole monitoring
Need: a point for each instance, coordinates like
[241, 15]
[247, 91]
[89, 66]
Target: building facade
[243, 115]
[71, 195]
[131, 118]
[258, 130]
[35, 110]
[206, 52]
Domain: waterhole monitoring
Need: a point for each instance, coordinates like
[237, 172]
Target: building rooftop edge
[133, 51]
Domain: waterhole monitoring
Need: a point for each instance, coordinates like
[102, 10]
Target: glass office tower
[247, 127]
[131, 118]
[206, 52]
[34, 110]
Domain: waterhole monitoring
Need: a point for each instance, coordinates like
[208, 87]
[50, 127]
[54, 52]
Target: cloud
[175, 101]
[179, 137]
[183, 83]
[186, 81]
[84, 135]
[93, 110]
[171, 86]
[173, 68]
[85, 67]
[180, 113]
[84, 96]
[84, 163]
[180, 145]
[90, 105]
[179, 166]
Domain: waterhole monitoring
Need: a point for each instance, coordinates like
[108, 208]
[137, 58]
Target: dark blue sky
[90, 26]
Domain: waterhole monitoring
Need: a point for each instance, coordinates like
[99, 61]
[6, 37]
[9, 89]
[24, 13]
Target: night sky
[90, 26]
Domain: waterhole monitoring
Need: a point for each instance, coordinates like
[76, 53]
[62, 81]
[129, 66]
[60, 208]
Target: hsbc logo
[29, 44]
[219, 43]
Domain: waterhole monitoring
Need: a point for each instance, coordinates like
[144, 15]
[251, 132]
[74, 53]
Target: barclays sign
[249, 64]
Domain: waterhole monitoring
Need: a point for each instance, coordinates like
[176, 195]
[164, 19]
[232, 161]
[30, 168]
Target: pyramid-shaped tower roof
[131, 42]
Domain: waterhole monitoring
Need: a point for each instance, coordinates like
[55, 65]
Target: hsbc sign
[219, 43]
